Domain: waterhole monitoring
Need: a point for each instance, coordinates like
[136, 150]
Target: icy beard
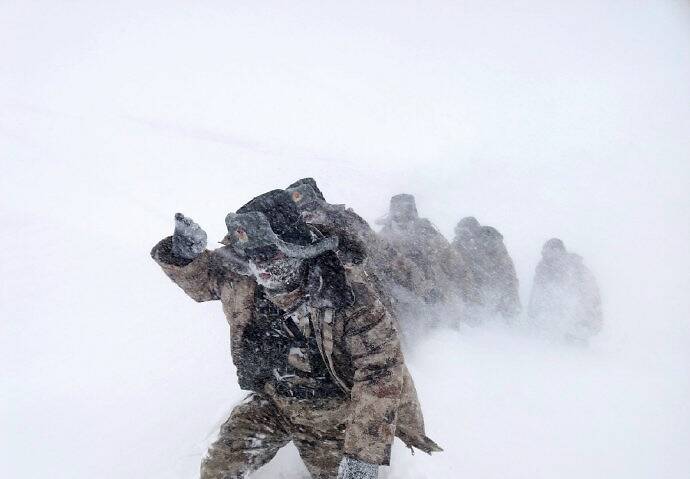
[277, 275]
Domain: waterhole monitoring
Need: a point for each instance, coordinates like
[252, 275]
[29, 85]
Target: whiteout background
[541, 118]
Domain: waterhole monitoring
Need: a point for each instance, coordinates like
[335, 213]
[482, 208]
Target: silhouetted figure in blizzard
[493, 270]
[313, 344]
[446, 276]
[565, 298]
[397, 279]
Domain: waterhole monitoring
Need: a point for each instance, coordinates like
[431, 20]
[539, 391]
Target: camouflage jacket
[444, 268]
[359, 345]
[360, 245]
[493, 272]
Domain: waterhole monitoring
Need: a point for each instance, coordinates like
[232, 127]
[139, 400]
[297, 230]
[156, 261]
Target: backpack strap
[322, 320]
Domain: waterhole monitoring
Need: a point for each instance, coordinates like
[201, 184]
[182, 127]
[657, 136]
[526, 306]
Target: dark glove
[354, 469]
[189, 240]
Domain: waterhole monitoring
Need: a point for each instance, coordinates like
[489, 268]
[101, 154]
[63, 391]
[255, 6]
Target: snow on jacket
[445, 270]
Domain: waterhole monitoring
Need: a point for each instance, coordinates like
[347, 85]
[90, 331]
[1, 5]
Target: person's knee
[322, 459]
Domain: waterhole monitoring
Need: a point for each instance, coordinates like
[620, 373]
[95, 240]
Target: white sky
[541, 118]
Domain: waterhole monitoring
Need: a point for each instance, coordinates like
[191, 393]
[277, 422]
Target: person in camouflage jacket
[446, 274]
[493, 270]
[310, 339]
[397, 279]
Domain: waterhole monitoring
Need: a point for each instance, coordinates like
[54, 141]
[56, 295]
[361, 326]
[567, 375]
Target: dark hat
[468, 223]
[309, 182]
[403, 199]
[304, 196]
[272, 219]
[404, 204]
[554, 245]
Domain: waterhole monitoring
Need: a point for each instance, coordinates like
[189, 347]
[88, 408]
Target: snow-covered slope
[113, 118]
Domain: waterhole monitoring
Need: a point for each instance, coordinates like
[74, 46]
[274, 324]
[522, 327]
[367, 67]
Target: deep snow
[112, 118]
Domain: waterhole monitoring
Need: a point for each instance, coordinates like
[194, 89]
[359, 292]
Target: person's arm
[373, 345]
[184, 259]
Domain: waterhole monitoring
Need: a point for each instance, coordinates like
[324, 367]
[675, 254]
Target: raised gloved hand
[354, 469]
[189, 240]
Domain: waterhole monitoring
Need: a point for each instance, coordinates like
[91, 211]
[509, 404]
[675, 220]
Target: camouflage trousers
[261, 424]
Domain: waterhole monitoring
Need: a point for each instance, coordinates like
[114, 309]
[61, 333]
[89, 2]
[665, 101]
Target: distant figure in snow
[565, 296]
[360, 249]
[493, 270]
[446, 276]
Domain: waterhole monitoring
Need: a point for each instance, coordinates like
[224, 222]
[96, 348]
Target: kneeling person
[316, 347]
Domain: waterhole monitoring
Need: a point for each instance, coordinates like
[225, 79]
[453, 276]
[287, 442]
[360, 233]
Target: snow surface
[540, 118]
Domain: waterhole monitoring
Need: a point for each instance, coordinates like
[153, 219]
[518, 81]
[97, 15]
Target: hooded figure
[395, 278]
[403, 212]
[467, 237]
[565, 297]
[446, 276]
[485, 253]
[354, 234]
[314, 345]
